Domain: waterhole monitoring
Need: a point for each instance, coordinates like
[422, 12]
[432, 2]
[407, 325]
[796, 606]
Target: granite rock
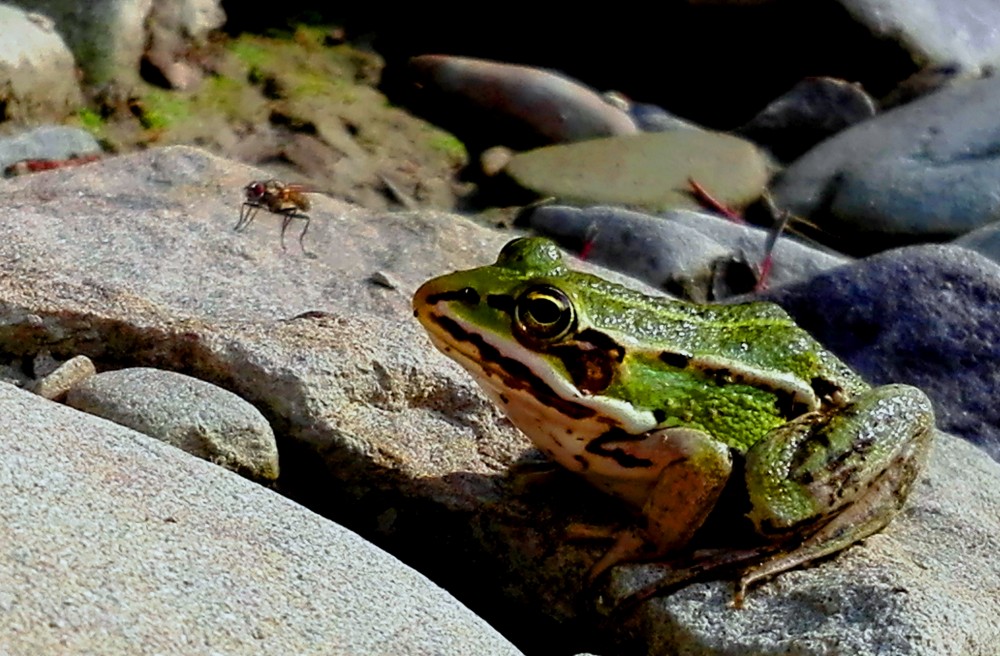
[190, 414]
[113, 543]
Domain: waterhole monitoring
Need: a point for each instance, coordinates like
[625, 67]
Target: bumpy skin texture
[646, 398]
[709, 344]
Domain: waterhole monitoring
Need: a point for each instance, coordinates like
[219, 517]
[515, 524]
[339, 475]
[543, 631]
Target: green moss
[320, 84]
[251, 54]
[163, 109]
[228, 97]
[448, 144]
[91, 121]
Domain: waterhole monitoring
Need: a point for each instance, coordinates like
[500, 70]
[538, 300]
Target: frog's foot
[630, 545]
[831, 481]
[526, 475]
[681, 571]
[694, 472]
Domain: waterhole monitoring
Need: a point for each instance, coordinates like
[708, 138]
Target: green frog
[651, 399]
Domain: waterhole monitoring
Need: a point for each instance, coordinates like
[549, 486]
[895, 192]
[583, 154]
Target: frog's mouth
[503, 366]
[488, 363]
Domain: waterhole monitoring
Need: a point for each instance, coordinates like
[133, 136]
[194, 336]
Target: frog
[655, 400]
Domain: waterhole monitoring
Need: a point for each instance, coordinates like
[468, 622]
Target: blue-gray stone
[47, 142]
[928, 168]
[985, 240]
[921, 315]
[679, 251]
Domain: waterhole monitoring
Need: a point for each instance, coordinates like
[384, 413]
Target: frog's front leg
[693, 470]
[836, 477]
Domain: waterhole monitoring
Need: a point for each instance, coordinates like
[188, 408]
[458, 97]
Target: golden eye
[544, 312]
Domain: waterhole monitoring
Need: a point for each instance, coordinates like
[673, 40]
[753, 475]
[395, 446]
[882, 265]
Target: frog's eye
[544, 312]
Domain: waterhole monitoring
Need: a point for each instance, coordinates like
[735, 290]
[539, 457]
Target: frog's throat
[504, 367]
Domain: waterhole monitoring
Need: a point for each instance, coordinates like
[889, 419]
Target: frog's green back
[733, 371]
[759, 334]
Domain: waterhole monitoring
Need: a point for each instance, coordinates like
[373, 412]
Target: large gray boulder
[113, 543]
[935, 31]
[927, 169]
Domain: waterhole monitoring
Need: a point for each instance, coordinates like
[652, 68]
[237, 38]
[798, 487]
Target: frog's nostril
[468, 295]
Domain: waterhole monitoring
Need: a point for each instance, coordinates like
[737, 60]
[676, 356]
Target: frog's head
[522, 327]
[523, 297]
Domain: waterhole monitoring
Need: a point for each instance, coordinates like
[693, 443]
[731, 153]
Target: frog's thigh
[840, 477]
[694, 470]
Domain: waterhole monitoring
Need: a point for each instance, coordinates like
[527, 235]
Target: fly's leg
[288, 216]
[305, 229]
[247, 213]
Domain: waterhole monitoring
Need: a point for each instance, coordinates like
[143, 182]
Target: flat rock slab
[924, 169]
[113, 543]
[650, 171]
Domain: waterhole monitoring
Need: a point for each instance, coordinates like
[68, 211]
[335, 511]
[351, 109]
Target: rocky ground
[127, 297]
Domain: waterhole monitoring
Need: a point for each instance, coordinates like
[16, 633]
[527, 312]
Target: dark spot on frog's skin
[786, 404]
[465, 295]
[720, 375]
[678, 360]
[590, 358]
[591, 369]
[501, 302]
[515, 374]
[841, 471]
[504, 399]
[584, 463]
[660, 415]
[824, 389]
[602, 342]
[602, 446]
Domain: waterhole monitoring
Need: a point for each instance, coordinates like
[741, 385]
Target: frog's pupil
[543, 313]
[545, 310]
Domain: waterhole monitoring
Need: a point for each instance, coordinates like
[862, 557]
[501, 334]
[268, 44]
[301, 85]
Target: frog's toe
[630, 545]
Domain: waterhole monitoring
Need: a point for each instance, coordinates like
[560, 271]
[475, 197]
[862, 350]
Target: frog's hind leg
[694, 471]
[836, 477]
